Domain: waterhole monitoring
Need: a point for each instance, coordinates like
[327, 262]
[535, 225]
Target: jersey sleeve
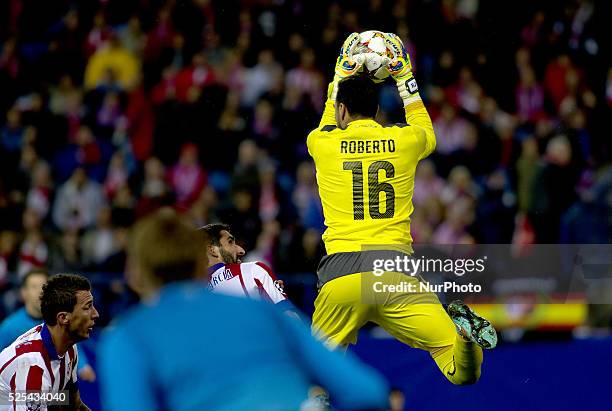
[327, 123]
[418, 117]
[270, 288]
[329, 112]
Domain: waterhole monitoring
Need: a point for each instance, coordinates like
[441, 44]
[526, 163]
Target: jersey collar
[364, 122]
[214, 268]
[45, 335]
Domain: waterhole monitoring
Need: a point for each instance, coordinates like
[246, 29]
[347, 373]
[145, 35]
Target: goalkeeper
[366, 174]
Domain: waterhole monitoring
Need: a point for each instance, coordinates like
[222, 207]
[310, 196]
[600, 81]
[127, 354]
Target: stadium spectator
[529, 96]
[526, 166]
[99, 242]
[245, 174]
[33, 252]
[133, 134]
[260, 79]
[117, 175]
[66, 254]
[452, 127]
[460, 185]
[108, 113]
[77, 203]
[427, 184]
[112, 65]
[39, 195]
[453, 230]
[304, 83]
[192, 79]
[549, 200]
[154, 191]
[243, 213]
[556, 76]
[161, 36]
[88, 151]
[132, 36]
[8, 255]
[98, 35]
[266, 243]
[187, 178]
[495, 210]
[306, 197]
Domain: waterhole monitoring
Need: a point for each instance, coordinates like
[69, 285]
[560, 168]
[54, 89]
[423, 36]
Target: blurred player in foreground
[230, 276]
[365, 174]
[30, 316]
[185, 348]
[44, 359]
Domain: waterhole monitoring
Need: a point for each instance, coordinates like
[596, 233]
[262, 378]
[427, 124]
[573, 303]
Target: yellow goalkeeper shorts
[346, 303]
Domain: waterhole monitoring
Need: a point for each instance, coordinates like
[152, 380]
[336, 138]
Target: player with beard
[229, 275]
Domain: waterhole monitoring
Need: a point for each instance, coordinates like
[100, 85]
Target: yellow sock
[460, 363]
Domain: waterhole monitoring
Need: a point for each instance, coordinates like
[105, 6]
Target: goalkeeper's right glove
[400, 69]
[346, 64]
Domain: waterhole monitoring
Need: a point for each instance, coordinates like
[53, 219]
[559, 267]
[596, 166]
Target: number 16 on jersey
[375, 188]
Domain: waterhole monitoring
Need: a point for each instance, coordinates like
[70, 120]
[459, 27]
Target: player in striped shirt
[230, 276]
[44, 359]
[29, 316]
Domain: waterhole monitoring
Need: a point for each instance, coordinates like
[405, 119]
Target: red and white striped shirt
[31, 364]
[252, 280]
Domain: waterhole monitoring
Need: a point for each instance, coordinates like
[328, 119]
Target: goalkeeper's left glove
[400, 69]
[346, 64]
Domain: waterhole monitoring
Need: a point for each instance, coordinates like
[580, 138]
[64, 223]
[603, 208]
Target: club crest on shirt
[34, 405]
[279, 286]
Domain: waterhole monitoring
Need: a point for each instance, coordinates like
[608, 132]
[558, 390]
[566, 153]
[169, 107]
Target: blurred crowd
[110, 109]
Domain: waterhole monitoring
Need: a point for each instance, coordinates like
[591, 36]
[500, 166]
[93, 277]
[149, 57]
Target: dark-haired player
[365, 174]
[44, 359]
[29, 316]
[229, 275]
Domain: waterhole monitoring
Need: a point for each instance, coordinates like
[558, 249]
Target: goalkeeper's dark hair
[214, 232]
[59, 294]
[360, 96]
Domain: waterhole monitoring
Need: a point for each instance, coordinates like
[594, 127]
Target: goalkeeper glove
[400, 69]
[346, 64]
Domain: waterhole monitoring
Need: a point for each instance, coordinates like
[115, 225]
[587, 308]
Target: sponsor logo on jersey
[219, 277]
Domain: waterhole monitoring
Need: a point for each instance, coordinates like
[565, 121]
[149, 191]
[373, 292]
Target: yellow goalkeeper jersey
[365, 175]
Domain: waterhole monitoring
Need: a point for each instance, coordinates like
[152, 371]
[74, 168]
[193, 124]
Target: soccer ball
[375, 54]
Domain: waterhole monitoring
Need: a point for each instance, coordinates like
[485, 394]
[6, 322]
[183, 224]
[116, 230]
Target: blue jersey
[18, 323]
[190, 349]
